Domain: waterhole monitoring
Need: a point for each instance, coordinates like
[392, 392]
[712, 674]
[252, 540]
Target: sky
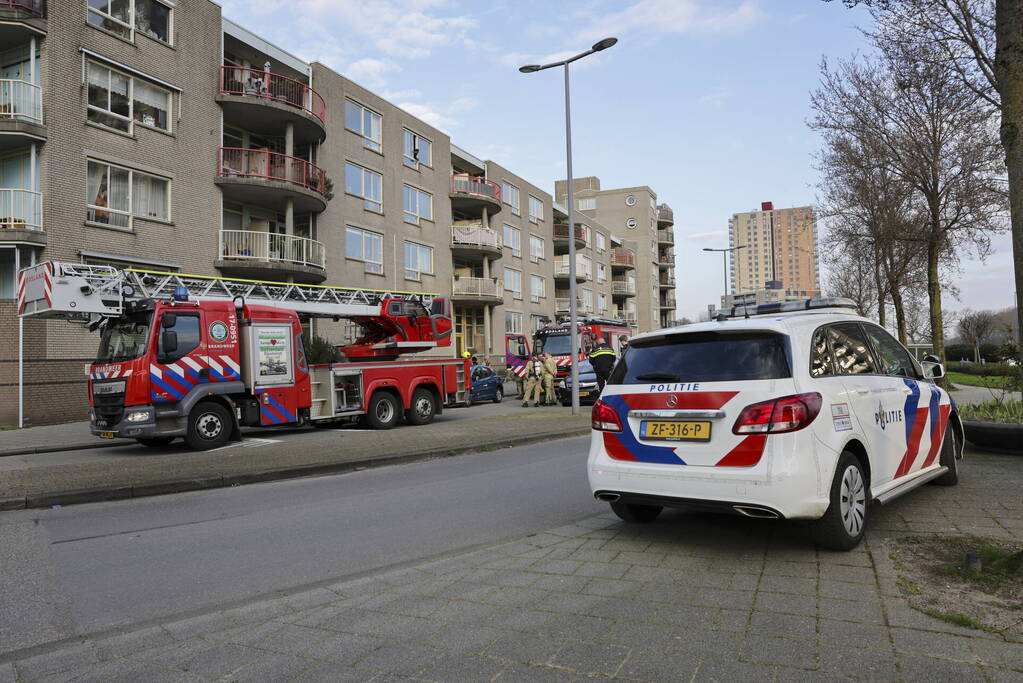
[705, 101]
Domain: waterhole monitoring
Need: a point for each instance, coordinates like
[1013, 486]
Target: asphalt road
[85, 568]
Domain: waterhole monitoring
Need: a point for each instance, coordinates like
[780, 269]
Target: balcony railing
[268, 247]
[625, 288]
[21, 100]
[33, 6]
[21, 209]
[666, 236]
[626, 316]
[561, 232]
[667, 282]
[235, 80]
[236, 162]
[623, 257]
[562, 269]
[475, 236]
[477, 286]
[666, 257]
[665, 214]
[463, 183]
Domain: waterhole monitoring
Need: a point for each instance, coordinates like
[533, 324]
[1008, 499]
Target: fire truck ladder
[79, 292]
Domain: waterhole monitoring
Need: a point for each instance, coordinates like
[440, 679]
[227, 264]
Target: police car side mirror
[933, 370]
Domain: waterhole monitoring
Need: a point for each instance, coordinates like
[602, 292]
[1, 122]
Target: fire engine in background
[200, 357]
[556, 339]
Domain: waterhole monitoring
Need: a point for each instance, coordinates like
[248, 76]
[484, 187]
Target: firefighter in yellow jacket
[534, 380]
[550, 371]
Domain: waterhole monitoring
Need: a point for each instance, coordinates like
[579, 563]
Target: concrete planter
[995, 436]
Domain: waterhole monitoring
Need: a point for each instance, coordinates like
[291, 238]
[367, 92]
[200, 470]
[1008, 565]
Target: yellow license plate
[106, 435]
[675, 431]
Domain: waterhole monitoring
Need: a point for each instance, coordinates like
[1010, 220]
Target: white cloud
[370, 72]
[407, 94]
[435, 118]
[715, 98]
[675, 17]
[710, 236]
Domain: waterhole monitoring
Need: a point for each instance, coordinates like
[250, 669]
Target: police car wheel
[636, 514]
[948, 459]
[209, 426]
[383, 411]
[499, 395]
[155, 441]
[843, 525]
[423, 408]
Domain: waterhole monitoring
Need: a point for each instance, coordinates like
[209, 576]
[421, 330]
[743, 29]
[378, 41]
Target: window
[894, 358]
[586, 266]
[365, 246]
[364, 122]
[601, 242]
[512, 322]
[631, 223]
[418, 205]
[512, 238]
[588, 204]
[510, 196]
[536, 251]
[537, 287]
[602, 302]
[630, 200]
[535, 209]
[186, 328]
[116, 195]
[418, 260]
[418, 150]
[820, 355]
[513, 282]
[851, 352]
[601, 272]
[364, 183]
[537, 322]
[152, 18]
[117, 100]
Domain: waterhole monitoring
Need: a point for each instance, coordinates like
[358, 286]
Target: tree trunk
[879, 287]
[934, 293]
[1008, 70]
[900, 315]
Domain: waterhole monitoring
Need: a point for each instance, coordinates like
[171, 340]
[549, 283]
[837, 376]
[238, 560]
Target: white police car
[798, 410]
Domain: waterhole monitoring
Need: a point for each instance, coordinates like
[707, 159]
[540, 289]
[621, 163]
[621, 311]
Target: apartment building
[159, 135]
[777, 258]
[645, 294]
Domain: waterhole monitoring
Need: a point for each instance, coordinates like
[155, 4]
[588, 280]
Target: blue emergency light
[181, 293]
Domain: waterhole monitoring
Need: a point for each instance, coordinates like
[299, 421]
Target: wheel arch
[957, 427]
[856, 447]
[430, 385]
[228, 405]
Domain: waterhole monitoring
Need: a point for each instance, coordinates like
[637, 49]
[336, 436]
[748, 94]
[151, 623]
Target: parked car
[486, 385]
[588, 391]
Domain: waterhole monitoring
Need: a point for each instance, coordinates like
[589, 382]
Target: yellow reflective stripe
[271, 282]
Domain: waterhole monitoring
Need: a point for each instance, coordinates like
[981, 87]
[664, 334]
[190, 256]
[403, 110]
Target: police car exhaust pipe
[608, 497]
[756, 513]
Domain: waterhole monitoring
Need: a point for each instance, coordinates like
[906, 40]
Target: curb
[157, 488]
[92, 443]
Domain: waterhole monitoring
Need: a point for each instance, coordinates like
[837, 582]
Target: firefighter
[550, 371]
[534, 380]
[602, 358]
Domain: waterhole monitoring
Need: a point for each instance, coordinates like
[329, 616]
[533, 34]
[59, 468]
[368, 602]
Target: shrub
[1009, 412]
[997, 369]
[318, 350]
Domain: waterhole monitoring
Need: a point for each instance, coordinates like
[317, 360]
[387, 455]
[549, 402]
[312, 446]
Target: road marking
[248, 443]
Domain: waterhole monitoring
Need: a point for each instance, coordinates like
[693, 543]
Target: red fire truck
[556, 339]
[199, 358]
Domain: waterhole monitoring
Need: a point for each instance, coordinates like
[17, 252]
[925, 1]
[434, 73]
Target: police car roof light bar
[776, 307]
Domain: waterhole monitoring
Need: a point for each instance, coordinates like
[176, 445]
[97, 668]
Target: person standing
[534, 380]
[550, 371]
[602, 358]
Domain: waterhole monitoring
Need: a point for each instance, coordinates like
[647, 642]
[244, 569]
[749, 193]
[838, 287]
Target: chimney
[767, 206]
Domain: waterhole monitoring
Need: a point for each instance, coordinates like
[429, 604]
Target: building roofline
[243, 34]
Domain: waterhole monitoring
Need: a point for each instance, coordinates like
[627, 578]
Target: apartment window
[512, 240]
[535, 209]
[512, 322]
[364, 122]
[631, 223]
[117, 195]
[513, 282]
[587, 296]
[602, 303]
[117, 100]
[418, 150]
[125, 17]
[418, 261]
[588, 204]
[537, 287]
[537, 322]
[601, 272]
[601, 242]
[587, 234]
[587, 265]
[536, 250]
[510, 196]
[418, 205]
[365, 246]
[364, 183]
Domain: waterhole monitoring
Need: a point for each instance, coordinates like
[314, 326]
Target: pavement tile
[806, 570]
[901, 614]
[929, 669]
[841, 572]
[467, 613]
[525, 673]
[999, 654]
[499, 563]
[787, 651]
[724, 645]
[639, 635]
[805, 605]
[334, 673]
[612, 587]
[400, 627]
[872, 664]
[868, 612]
[585, 554]
[412, 606]
[123, 671]
[311, 598]
[579, 627]
[788, 675]
[853, 634]
[603, 570]
[200, 625]
[591, 659]
[717, 597]
[732, 619]
[517, 596]
[7, 674]
[346, 648]
[669, 592]
[632, 610]
[399, 658]
[743, 582]
[461, 667]
[524, 647]
[640, 557]
[316, 616]
[563, 584]
[461, 638]
[657, 574]
[245, 635]
[518, 578]
[940, 645]
[788, 625]
[292, 639]
[712, 671]
[800, 585]
[133, 641]
[570, 603]
[530, 620]
[648, 665]
[58, 660]
[846, 591]
[272, 668]
[219, 660]
[549, 566]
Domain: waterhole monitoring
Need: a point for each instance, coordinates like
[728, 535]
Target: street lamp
[724, 260]
[573, 309]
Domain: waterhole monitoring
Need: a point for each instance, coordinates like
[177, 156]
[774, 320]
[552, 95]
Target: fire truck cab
[556, 340]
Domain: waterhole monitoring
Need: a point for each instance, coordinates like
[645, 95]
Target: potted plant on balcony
[328, 188]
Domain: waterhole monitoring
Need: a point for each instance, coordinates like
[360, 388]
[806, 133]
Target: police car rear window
[704, 357]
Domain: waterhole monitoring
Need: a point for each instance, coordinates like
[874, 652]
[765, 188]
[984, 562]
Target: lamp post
[724, 260]
[573, 309]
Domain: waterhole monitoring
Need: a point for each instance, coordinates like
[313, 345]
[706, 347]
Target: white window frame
[536, 255]
[601, 242]
[516, 249]
[130, 25]
[516, 294]
[416, 217]
[537, 293]
[413, 161]
[515, 316]
[535, 209]
[367, 142]
[417, 273]
[601, 272]
[130, 213]
[587, 203]
[601, 302]
[506, 192]
[366, 201]
[130, 118]
[370, 266]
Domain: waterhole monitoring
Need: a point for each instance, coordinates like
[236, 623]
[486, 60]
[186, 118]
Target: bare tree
[975, 328]
[851, 274]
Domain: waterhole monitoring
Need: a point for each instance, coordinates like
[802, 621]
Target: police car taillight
[786, 414]
[604, 418]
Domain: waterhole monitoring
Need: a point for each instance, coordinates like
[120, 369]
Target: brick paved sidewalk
[691, 597]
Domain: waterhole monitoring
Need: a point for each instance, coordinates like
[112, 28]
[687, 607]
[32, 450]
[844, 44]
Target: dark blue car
[486, 385]
[588, 391]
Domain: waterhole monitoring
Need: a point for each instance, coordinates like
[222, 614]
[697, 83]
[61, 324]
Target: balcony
[668, 305]
[21, 113]
[665, 236]
[257, 176]
[265, 101]
[478, 289]
[622, 259]
[562, 270]
[561, 238]
[665, 216]
[666, 259]
[270, 256]
[623, 288]
[472, 194]
[561, 305]
[626, 316]
[475, 241]
[666, 283]
[21, 216]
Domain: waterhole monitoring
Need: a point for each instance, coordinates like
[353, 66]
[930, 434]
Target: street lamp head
[604, 44]
[708, 249]
[529, 68]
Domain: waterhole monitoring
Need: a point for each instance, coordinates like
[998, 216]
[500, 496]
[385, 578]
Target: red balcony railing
[33, 6]
[561, 232]
[623, 257]
[463, 183]
[236, 162]
[235, 80]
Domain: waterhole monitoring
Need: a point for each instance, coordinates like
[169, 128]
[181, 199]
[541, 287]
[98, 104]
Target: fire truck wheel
[209, 426]
[384, 412]
[424, 407]
[155, 441]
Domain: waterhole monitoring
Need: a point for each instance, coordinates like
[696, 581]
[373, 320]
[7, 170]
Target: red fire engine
[556, 339]
[199, 357]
